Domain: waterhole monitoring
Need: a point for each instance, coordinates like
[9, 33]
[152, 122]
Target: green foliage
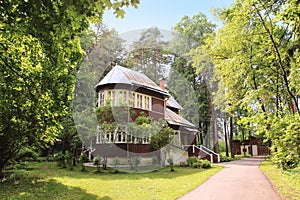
[195, 162]
[256, 73]
[196, 165]
[190, 33]
[27, 154]
[205, 164]
[97, 162]
[285, 137]
[286, 183]
[83, 159]
[148, 54]
[61, 160]
[162, 137]
[224, 158]
[187, 83]
[191, 160]
[39, 54]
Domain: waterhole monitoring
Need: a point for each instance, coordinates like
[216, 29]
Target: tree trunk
[200, 133]
[216, 143]
[226, 139]
[231, 137]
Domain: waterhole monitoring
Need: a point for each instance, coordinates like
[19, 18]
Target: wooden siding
[120, 150]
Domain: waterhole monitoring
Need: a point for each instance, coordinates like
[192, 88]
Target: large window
[116, 97]
[119, 135]
[142, 101]
[119, 97]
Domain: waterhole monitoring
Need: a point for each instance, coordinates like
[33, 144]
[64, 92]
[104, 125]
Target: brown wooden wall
[120, 150]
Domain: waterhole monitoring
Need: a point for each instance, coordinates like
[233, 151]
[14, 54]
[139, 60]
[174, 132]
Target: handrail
[211, 156]
[218, 155]
[205, 151]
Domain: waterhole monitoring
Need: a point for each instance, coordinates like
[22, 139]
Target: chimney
[162, 83]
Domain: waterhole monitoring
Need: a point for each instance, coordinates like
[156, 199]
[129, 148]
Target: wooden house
[252, 146]
[131, 91]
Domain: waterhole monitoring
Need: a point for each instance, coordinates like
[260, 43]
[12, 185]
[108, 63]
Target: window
[147, 102]
[119, 97]
[113, 98]
[141, 101]
[101, 98]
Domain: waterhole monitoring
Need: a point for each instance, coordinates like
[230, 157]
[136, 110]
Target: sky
[163, 14]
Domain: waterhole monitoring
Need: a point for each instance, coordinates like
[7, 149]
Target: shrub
[196, 165]
[191, 160]
[27, 154]
[224, 158]
[116, 161]
[60, 158]
[83, 159]
[205, 164]
[171, 163]
[97, 162]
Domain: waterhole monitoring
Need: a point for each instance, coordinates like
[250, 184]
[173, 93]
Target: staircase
[202, 152]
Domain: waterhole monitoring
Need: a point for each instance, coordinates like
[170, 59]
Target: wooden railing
[205, 150]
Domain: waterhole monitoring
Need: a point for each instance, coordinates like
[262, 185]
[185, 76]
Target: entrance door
[254, 150]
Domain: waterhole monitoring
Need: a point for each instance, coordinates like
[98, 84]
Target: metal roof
[171, 102]
[124, 75]
[175, 119]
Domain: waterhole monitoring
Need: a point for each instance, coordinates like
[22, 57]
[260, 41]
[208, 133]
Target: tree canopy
[40, 51]
[256, 58]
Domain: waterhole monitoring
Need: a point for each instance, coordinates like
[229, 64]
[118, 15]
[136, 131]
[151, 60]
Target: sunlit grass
[286, 183]
[46, 181]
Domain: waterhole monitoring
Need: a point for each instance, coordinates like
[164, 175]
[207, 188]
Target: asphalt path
[239, 180]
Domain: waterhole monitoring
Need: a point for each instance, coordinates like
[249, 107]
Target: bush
[83, 158]
[224, 158]
[191, 160]
[97, 162]
[60, 158]
[205, 164]
[196, 165]
[27, 154]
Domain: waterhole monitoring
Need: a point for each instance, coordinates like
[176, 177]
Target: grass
[45, 181]
[287, 183]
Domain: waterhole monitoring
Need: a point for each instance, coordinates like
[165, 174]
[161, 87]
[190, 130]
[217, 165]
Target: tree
[39, 54]
[255, 55]
[189, 34]
[148, 54]
[161, 139]
[102, 54]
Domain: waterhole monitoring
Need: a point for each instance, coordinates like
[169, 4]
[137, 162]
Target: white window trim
[141, 105]
[139, 100]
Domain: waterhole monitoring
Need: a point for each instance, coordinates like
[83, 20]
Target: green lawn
[46, 181]
[286, 183]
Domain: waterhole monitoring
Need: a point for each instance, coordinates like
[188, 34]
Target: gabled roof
[122, 75]
[175, 119]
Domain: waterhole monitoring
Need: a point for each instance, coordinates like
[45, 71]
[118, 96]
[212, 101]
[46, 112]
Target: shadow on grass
[114, 174]
[26, 186]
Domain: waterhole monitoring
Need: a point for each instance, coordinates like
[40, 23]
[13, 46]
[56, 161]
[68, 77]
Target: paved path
[239, 180]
